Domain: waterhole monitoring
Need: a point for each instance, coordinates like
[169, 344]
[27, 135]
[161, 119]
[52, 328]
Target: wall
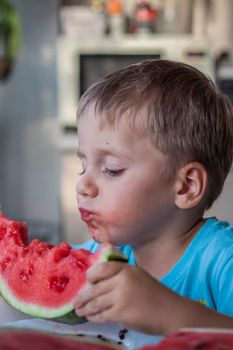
[28, 125]
[222, 26]
[222, 208]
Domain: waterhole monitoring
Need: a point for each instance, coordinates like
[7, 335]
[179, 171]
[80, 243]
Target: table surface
[11, 318]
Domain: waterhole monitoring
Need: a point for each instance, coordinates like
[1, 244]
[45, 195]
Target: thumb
[103, 271]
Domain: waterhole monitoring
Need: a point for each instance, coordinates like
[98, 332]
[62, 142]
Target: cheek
[120, 210]
[136, 201]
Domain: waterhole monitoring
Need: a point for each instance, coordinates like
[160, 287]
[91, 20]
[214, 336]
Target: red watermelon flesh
[195, 341]
[40, 279]
[22, 339]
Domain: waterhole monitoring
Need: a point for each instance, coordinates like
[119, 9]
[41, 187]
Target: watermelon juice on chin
[97, 232]
[40, 279]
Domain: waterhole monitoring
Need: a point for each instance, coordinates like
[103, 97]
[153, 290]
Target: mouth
[96, 225]
[85, 214]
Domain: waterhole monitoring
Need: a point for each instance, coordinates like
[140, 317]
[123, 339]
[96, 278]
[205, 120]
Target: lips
[85, 214]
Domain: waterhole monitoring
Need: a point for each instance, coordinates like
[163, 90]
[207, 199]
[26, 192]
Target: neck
[159, 255]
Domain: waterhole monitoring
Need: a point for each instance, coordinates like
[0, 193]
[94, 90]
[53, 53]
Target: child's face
[122, 194]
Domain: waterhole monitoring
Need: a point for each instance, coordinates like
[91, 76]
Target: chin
[101, 240]
[99, 237]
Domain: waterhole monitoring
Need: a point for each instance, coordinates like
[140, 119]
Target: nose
[86, 186]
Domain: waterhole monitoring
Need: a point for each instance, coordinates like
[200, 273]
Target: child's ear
[190, 185]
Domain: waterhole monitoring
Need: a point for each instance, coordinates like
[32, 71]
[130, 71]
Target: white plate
[132, 340]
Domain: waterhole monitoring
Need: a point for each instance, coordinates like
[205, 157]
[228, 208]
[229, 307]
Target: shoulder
[221, 270]
[218, 233]
[216, 239]
[211, 249]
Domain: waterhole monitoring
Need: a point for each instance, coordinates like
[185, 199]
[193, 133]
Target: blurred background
[50, 52]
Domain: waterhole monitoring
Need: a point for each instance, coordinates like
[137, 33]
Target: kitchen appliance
[81, 63]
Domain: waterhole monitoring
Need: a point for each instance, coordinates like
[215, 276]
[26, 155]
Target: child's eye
[113, 172]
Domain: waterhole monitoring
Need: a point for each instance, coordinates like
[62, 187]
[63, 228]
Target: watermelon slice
[40, 279]
[23, 339]
[214, 340]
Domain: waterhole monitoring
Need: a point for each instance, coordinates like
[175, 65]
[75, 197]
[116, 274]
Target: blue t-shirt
[205, 271]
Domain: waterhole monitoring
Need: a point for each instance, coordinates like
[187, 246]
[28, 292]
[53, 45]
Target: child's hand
[128, 295]
[125, 294]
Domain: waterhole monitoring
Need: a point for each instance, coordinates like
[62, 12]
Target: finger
[103, 271]
[101, 317]
[93, 291]
[95, 306]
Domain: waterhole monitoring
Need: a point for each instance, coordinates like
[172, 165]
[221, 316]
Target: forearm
[178, 312]
[193, 314]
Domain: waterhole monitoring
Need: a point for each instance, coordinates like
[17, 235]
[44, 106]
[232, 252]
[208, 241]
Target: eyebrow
[106, 152]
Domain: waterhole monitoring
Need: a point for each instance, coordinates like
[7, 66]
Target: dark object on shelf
[145, 16]
[74, 2]
[6, 66]
[224, 74]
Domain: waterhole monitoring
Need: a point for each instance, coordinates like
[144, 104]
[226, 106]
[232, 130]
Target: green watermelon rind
[71, 318]
[32, 309]
[112, 254]
[64, 314]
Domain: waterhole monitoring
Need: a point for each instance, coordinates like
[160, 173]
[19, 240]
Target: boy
[156, 144]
